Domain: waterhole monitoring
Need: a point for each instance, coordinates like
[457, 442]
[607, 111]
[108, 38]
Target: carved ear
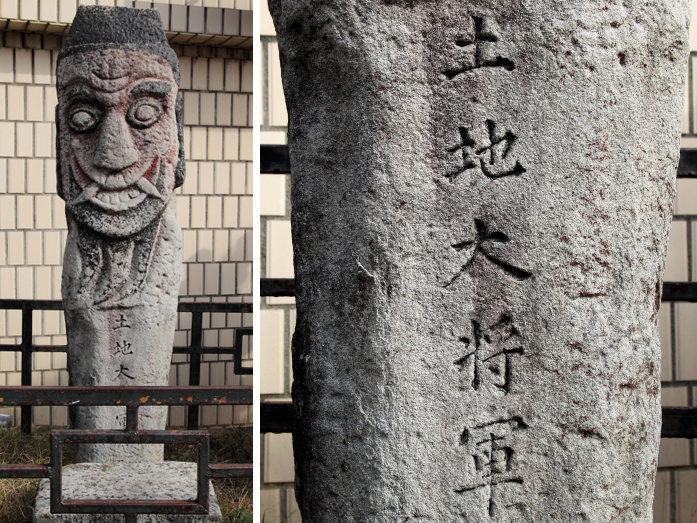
[180, 172]
[59, 175]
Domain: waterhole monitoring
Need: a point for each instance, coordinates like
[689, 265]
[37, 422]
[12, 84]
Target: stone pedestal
[482, 192]
[134, 481]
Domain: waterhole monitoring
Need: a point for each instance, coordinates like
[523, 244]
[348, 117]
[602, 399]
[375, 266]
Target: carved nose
[116, 150]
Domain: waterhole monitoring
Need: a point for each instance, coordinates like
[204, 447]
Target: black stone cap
[97, 27]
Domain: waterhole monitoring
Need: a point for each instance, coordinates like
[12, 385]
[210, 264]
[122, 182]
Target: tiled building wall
[214, 206]
[277, 314]
[676, 485]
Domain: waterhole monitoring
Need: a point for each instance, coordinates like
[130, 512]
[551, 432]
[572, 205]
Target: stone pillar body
[482, 195]
[120, 159]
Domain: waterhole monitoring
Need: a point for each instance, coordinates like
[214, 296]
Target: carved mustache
[115, 200]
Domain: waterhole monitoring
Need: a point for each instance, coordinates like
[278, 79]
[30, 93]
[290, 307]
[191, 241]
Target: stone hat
[98, 27]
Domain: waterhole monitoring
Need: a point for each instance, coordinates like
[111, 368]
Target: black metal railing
[131, 398]
[195, 348]
[678, 422]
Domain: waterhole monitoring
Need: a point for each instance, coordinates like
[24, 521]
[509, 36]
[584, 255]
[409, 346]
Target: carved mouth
[115, 200]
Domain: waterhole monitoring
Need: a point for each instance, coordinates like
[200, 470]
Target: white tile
[48, 10]
[239, 178]
[178, 20]
[207, 116]
[247, 82]
[246, 212]
[212, 279]
[215, 143]
[231, 144]
[279, 249]
[35, 107]
[239, 110]
[665, 336]
[196, 19]
[272, 198]
[66, 11]
[15, 102]
[278, 116]
[216, 74]
[686, 197]
[184, 70]
[232, 74]
[246, 23]
[272, 350]
[206, 178]
[266, 22]
[676, 261]
[246, 144]
[214, 21]
[191, 104]
[200, 74]
[231, 22]
[244, 278]
[198, 143]
[9, 9]
[222, 178]
[6, 60]
[44, 139]
[685, 336]
[686, 483]
[25, 139]
[278, 458]
[51, 103]
[29, 9]
[237, 245]
[272, 137]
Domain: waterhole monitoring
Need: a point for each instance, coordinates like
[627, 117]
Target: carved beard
[114, 269]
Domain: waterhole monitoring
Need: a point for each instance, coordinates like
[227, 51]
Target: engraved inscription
[491, 153]
[476, 47]
[491, 448]
[481, 238]
[490, 354]
[123, 348]
[122, 372]
[121, 323]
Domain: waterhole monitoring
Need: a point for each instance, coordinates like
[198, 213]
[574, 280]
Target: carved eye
[144, 112]
[83, 120]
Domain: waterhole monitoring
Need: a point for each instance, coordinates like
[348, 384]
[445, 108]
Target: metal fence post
[195, 365]
[26, 346]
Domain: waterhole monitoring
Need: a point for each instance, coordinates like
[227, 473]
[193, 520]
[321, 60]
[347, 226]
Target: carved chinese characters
[489, 355]
[120, 159]
[475, 47]
[480, 219]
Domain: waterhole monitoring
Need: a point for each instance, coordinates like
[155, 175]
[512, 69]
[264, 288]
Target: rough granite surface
[119, 160]
[482, 195]
[169, 480]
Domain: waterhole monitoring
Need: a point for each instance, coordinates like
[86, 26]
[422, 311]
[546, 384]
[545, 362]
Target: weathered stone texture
[120, 159]
[482, 196]
[126, 481]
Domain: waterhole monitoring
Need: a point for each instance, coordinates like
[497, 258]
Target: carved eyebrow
[159, 89]
[82, 92]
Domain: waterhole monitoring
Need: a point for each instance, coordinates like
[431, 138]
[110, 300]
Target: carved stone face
[118, 138]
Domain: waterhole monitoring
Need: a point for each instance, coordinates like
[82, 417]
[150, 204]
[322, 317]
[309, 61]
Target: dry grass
[227, 446]
[17, 495]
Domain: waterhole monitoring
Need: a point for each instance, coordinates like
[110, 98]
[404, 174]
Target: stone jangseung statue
[482, 192]
[119, 160]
